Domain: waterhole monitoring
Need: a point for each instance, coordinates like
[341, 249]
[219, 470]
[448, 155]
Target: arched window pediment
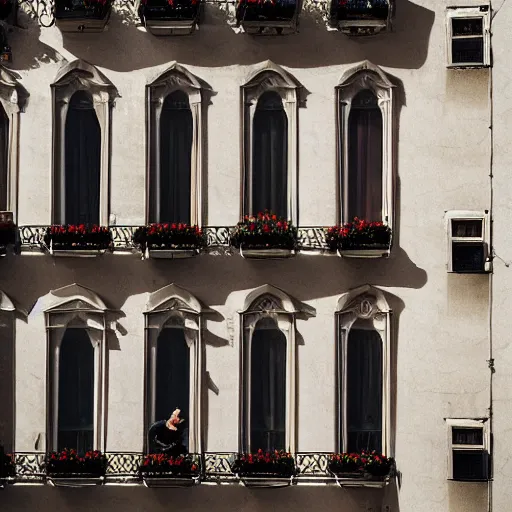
[73, 296]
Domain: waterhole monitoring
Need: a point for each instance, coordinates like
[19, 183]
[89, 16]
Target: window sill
[363, 253]
[77, 253]
[376, 483]
[170, 254]
[170, 27]
[76, 481]
[170, 481]
[266, 253]
[266, 481]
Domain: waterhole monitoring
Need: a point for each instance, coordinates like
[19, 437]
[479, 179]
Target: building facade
[315, 354]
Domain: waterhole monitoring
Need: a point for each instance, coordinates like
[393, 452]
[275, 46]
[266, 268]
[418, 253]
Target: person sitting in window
[169, 436]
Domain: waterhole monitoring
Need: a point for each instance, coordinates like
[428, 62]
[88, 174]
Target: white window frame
[168, 307]
[269, 302]
[469, 12]
[71, 78]
[363, 303]
[365, 76]
[176, 78]
[70, 307]
[266, 77]
[466, 423]
[485, 239]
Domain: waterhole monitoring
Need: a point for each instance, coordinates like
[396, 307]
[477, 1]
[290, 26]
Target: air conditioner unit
[468, 454]
[468, 242]
[468, 37]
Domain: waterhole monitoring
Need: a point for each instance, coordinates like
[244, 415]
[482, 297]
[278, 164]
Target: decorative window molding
[172, 307]
[364, 308]
[275, 310]
[175, 78]
[73, 77]
[76, 307]
[7, 372]
[13, 99]
[365, 76]
[269, 77]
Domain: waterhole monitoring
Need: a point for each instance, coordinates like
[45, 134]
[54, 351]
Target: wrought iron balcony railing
[215, 467]
[309, 238]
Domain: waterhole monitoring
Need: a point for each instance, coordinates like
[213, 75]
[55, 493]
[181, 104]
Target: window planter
[263, 17]
[68, 469]
[265, 469]
[74, 480]
[170, 254]
[82, 15]
[170, 17]
[162, 470]
[260, 253]
[169, 480]
[360, 239]
[361, 17]
[77, 241]
[363, 469]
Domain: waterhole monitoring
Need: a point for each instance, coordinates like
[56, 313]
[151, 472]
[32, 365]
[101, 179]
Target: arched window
[365, 145]
[82, 112]
[82, 161]
[270, 156]
[268, 397]
[364, 365]
[364, 195]
[75, 424]
[175, 146]
[77, 326]
[173, 361]
[270, 99]
[173, 182]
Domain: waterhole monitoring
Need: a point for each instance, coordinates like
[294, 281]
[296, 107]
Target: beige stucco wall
[440, 335]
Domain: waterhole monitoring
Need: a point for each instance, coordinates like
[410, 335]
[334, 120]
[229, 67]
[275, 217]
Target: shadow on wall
[216, 44]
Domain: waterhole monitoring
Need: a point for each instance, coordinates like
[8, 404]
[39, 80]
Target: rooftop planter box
[265, 236]
[68, 469]
[169, 240]
[360, 239]
[365, 469]
[7, 467]
[170, 17]
[77, 241]
[265, 469]
[82, 15]
[361, 17]
[162, 470]
[265, 17]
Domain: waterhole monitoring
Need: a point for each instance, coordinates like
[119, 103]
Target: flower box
[170, 17]
[67, 469]
[264, 236]
[169, 240]
[82, 15]
[268, 16]
[361, 17]
[162, 470]
[77, 241]
[265, 469]
[360, 239]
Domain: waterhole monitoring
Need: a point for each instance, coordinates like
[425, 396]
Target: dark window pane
[470, 465]
[270, 156]
[467, 257]
[365, 158]
[4, 170]
[467, 228]
[472, 436]
[468, 50]
[82, 161]
[76, 391]
[172, 374]
[268, 388]
[174, 184]
[364, 390]
[467, 26]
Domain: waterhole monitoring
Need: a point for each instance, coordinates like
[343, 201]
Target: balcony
[123, 468]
